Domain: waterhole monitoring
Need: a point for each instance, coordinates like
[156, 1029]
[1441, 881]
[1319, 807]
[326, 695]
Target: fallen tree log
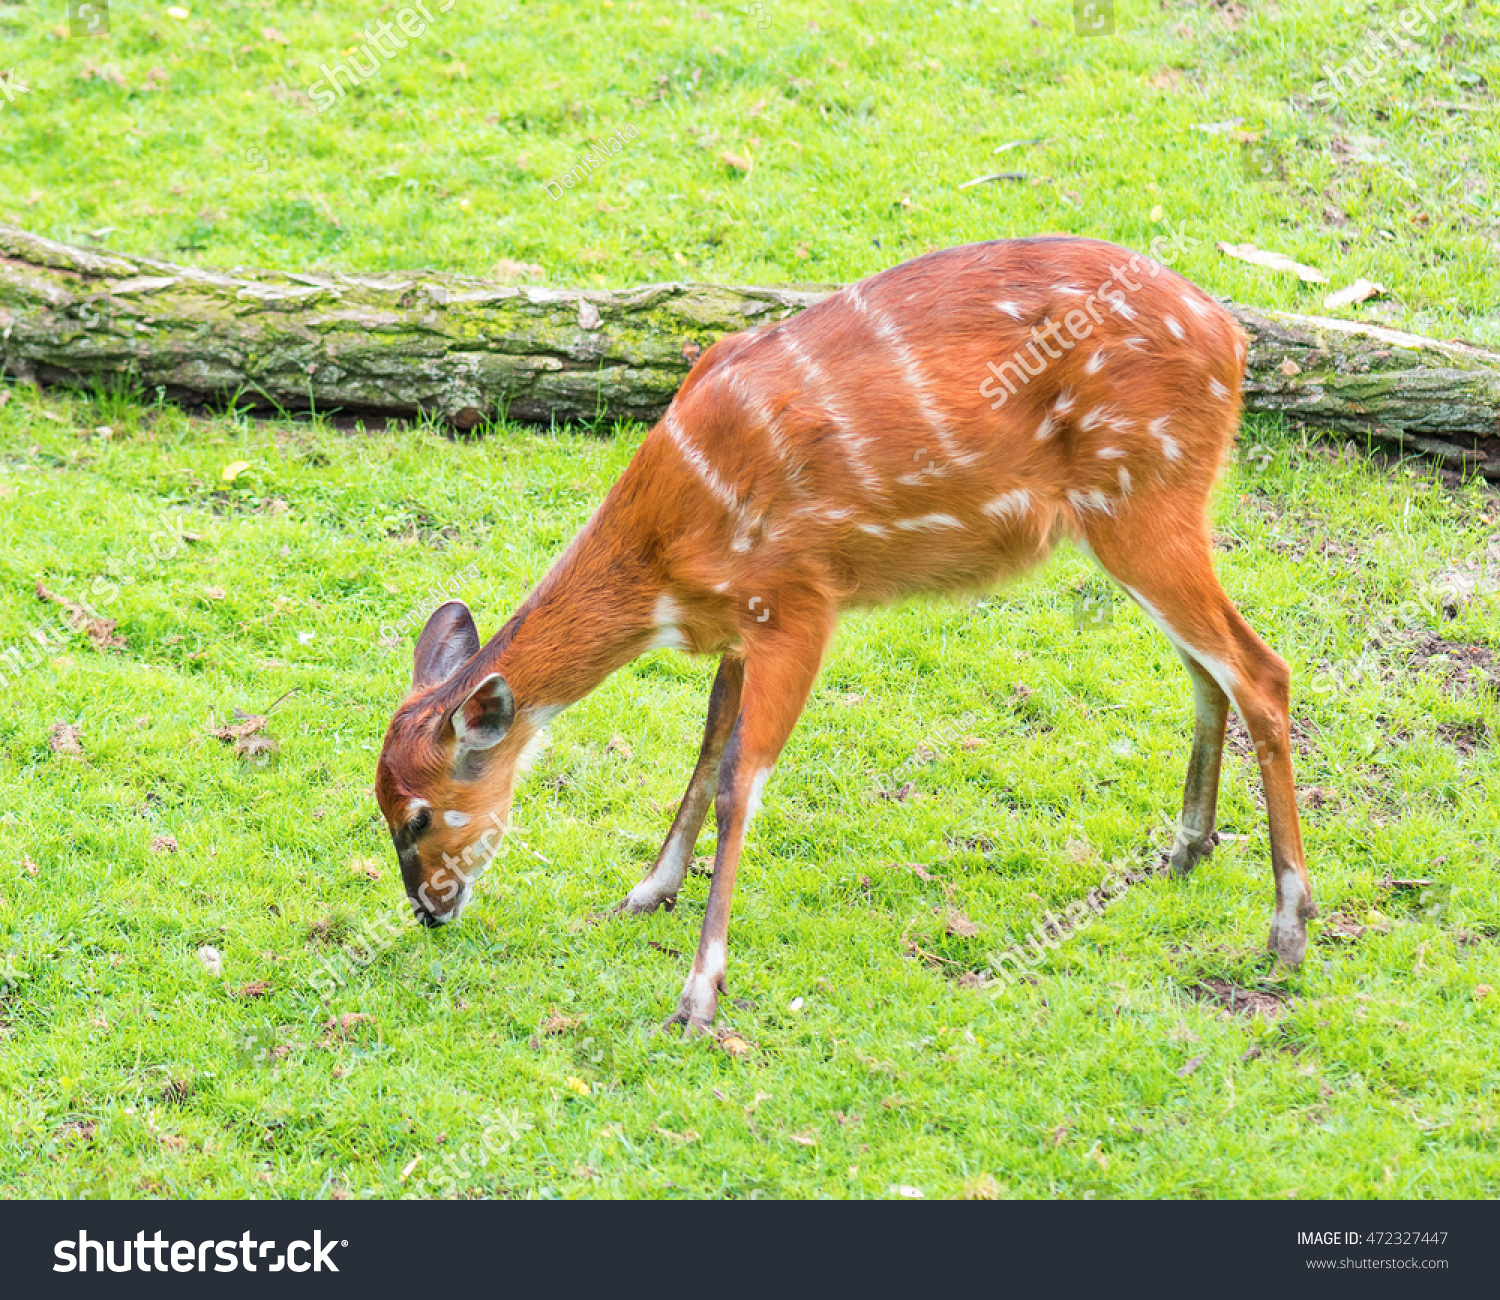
[399, 344]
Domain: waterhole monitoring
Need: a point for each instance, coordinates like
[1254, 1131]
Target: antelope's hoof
[698, 1004]
[692, 1026]
[640, 901]
[1187, 854]
[1288, 937]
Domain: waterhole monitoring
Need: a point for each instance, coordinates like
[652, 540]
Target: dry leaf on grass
[619, 745]
[244, 724]
[101, 631]
[28, 866]
[734, 1045]
[164, 844]
[574, 1084]
[65, 738]
[1190, 1067]
[1272, 261]
[959, 925]
[685, 1137]
[1359, 291]
[557, 1023]
[804, 1139]
[257, 989]
[212, 962]
[364, 867]
[257, 749]
[341, 1026]
[1340, 926]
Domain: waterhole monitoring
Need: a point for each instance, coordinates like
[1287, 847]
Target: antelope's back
[979, 400]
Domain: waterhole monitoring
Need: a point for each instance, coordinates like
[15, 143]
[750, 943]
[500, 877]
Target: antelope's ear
[482, 720]
[449, 641]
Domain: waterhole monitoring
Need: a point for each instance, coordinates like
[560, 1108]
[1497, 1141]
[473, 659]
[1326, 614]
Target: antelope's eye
[420, 822]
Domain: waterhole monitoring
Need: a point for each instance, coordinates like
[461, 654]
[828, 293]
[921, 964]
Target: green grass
[861, 121]
[124, 1069]
[526, 1038]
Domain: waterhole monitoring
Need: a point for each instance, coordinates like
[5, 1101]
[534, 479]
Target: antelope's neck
[594, 612]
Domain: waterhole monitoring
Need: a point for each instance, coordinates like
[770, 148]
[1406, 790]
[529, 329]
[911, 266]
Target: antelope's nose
[430, 919]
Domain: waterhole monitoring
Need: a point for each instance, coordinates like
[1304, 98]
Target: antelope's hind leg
[667, 873]
[1169, 573]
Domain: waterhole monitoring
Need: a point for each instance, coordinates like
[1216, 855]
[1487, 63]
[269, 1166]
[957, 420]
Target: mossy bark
[467, 350]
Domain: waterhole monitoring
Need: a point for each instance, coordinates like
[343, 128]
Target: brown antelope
[868, 449]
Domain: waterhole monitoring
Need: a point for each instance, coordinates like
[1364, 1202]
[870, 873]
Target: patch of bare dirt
[1465, 737]
[1459, 663]
[1237, 1000]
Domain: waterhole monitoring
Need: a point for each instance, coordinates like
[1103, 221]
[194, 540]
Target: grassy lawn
[962, 769]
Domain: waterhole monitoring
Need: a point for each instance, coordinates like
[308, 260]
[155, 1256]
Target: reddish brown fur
[816, 464]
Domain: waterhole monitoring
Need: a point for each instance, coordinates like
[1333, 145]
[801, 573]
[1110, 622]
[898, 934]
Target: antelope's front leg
[666, 876]
[779, 673]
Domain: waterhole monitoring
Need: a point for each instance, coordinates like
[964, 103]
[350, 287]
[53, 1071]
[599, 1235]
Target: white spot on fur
[416, 806]
[1064, 403]
[1137, 343]
[667, 638]
[539, 715]
[1095, 363]
[667, 612]
[1125, 481]
[1009, 505]
[1090, 418]
[530, 750]
[1066, 288]
[1170, 447]
[666, 615]
[456, 819]
[922, 523]
[1218, 390]
[1290, 904]
[1010, 309]
[1046, 428]
[715, 959]
[757, 788]
[1195, 304]
[1110, 453]
[1093, 500]
[1177, 331]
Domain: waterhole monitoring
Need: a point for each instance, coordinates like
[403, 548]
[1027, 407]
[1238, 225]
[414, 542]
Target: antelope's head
[447, 770]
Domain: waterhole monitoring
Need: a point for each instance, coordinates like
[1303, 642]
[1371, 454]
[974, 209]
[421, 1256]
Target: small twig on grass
[996, 176]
